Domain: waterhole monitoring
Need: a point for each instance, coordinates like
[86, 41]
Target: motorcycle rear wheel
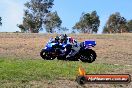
[88, 55]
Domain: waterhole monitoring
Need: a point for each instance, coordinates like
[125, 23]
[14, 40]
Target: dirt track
[111, 49]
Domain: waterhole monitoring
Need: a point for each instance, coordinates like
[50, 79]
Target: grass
[28, 70]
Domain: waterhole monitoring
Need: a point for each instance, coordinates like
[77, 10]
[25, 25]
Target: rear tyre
[45, 56]
[88, 55]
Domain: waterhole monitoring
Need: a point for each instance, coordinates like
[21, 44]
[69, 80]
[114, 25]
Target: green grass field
[21, 71]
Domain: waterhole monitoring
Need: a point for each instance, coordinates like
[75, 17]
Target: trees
[30, 23]
[105, 30]
[52, 21]
[35, 15]
[88, 23]
[62, 30]
[115, 24]
[129, 25]
[0, 21]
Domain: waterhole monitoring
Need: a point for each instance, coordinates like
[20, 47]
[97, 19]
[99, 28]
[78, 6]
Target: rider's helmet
[57, 39]
[62, 38]
[65, 36]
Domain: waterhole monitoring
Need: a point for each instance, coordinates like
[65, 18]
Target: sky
[12, 11]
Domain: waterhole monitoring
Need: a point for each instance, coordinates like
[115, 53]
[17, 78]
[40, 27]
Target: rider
[57, 39]
[72, 42]
[75, 47]
[63, 39]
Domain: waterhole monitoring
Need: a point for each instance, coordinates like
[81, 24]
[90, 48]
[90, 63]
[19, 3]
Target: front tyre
[88, 55]
[45, 56]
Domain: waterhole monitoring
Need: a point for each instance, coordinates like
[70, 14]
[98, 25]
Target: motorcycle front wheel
[45, 56]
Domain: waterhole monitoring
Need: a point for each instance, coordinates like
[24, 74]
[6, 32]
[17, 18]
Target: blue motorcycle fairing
[48, 46]
[89, 43]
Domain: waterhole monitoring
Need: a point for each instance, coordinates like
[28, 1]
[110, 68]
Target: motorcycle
[54, 50]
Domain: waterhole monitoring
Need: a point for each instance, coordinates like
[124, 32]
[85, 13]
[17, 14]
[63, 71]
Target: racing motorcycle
[54, 50]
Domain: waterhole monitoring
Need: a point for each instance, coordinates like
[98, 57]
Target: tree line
[117, 24]
[38, 16]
